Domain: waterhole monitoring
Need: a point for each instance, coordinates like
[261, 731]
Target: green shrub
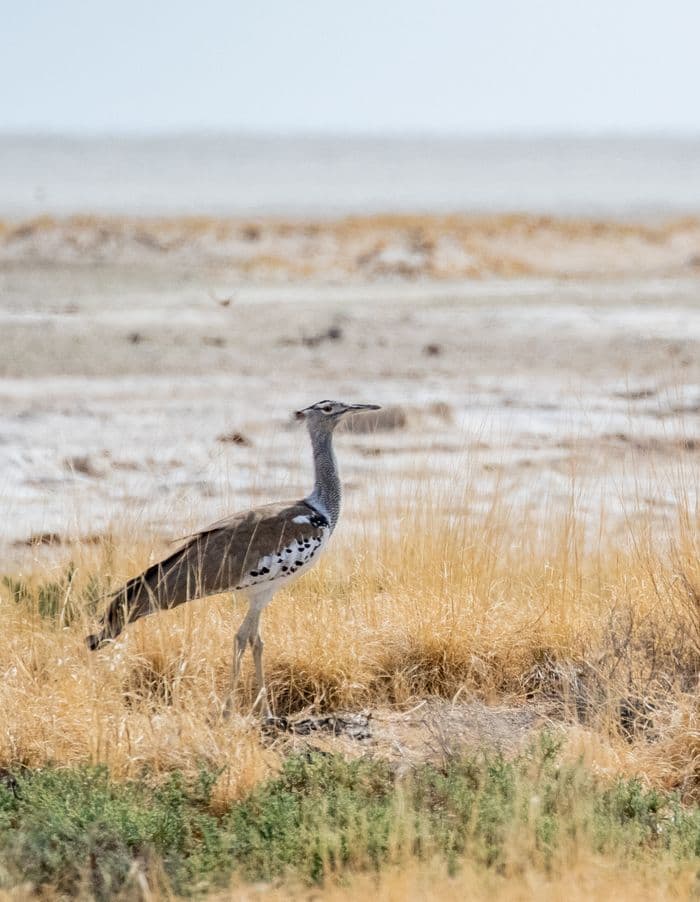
[56, 600]
[79, 831]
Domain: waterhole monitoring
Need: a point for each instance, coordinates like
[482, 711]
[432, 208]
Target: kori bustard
[255, 553]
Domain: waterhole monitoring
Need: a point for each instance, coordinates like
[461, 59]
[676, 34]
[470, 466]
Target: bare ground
[154, 392]
[432, 730]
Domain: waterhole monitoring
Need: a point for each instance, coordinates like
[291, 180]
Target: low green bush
[78, 831]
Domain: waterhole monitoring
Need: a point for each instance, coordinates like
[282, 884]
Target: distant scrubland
[368, 247]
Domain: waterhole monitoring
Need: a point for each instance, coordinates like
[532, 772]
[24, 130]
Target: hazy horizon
[398, 135]
[247, 174]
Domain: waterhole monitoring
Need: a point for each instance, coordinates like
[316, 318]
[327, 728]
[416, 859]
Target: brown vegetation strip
[403, 246]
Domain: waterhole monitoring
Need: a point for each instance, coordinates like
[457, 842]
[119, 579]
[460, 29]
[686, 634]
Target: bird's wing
[239, 552]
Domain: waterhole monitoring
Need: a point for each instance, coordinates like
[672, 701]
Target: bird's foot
[228, 708]
[262, 705]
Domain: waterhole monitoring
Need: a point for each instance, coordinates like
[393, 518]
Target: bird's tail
[132, 601]
[156, 588]
[94, 641]
[179, 578]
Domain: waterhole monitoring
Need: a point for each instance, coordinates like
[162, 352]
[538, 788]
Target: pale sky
[446, 66]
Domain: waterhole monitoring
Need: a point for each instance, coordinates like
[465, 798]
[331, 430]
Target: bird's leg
[261, 698]
[245, 634]
[239, 644]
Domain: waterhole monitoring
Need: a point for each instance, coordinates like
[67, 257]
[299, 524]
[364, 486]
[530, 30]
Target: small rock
[41, 538]
[637, 394]
[432, 350]
[235, 438]
[84, 464]
[333, 333]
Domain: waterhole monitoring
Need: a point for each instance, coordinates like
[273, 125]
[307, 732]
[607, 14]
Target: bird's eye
[327, 408]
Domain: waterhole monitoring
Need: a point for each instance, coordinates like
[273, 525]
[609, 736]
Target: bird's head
[325, 415]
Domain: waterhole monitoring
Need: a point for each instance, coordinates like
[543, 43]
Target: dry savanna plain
[488, 688]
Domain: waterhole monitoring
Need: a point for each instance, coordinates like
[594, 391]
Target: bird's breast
[288, 562]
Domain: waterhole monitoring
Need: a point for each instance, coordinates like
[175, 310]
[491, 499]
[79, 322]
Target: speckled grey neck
[326, 495]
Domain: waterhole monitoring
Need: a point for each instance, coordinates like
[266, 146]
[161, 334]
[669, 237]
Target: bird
[253, 553]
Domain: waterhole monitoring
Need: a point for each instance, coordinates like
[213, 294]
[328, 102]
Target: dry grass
[605, 632]
[586, 878]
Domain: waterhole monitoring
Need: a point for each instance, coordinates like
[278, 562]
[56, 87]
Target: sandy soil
[148, 369]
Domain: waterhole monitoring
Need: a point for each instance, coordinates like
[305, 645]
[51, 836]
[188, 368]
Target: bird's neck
[326, 495]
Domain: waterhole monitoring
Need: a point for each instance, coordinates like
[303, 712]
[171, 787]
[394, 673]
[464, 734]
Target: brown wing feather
[214, 560]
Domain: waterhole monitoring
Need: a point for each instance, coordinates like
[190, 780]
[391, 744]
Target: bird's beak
[358, 407]
[301, 414]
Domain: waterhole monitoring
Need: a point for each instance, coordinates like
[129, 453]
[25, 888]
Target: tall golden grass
[585, 877]
[600, 628]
